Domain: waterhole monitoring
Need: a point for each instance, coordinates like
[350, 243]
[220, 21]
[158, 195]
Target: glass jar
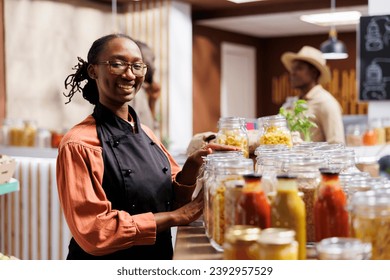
[379, 130]
[330, 208]
[207, 178]
[288, 211]
[354, 135]
[277, 244]
[232, 131]
[224, 172]
[275, 131]
[239, 241]
[342, 248]
[252, 207]
[386, 125]
[371, 221]
[16, 133]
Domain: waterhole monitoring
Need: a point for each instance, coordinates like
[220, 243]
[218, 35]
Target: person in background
[308, 72]
[145, 101]
[119, 188]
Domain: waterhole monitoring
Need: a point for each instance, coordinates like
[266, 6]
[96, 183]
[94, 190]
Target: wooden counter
[192, 244]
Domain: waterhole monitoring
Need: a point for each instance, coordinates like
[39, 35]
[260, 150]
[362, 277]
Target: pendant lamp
[333, 48]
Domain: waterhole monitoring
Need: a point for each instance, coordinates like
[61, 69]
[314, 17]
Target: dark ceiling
[208, 9]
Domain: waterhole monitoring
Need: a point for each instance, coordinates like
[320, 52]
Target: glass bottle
[253, 207]
[288, 211]
[308, 179]
[239, 241]
[232, 131]
[277, 244]
[343, 248]
[371, 221]
[275, 131]
[330, 207]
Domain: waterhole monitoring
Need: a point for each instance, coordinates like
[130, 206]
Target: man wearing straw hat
[308, 72]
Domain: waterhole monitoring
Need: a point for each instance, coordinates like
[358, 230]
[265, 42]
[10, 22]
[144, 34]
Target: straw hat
[312, 56]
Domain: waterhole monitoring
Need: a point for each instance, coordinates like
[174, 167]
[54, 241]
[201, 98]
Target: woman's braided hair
[76, 80]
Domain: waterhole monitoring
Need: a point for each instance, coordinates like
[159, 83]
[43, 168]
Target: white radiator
[32, 226]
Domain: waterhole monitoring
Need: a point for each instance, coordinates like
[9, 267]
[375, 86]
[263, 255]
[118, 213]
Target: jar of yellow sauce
[277, 244]
[371, 221]
[288, 210]
[239, 241]
[232, 131]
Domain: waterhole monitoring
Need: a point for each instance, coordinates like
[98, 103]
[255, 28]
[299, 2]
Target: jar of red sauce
[330, 208]
[253, 206]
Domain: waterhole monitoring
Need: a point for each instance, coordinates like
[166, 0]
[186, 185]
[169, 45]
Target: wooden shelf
[11, 186]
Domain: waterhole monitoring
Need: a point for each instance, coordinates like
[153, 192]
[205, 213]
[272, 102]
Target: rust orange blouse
[96, 227]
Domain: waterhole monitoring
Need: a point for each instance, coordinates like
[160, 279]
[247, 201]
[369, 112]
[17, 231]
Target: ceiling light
[333, 48]
[336, 18]
[244, 1]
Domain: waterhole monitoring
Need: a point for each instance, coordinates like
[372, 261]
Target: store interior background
[41, 40]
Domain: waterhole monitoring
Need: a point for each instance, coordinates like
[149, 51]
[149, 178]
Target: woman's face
[117, 89]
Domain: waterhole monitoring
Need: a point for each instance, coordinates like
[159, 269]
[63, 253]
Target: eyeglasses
[120, 67]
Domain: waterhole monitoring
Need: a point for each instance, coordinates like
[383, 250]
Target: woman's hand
[190, 169]
[182, 216]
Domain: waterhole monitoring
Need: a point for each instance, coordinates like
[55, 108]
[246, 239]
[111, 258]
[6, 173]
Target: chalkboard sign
[374, 47]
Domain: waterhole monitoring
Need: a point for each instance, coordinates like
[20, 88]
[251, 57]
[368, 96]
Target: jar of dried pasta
[371, 221]
[275, 131]
[226, 174]
[232, 131]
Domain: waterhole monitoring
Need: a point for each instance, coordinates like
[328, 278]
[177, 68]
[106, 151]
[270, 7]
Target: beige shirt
[328, 116]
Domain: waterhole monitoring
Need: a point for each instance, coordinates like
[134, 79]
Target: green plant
[298, 119]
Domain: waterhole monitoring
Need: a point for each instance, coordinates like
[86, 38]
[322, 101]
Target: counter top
[192, 244]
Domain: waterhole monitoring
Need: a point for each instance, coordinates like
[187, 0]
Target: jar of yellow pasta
[371, 221]
[275, 131]
[232, 131]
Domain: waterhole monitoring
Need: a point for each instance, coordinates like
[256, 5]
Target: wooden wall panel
[2, 64]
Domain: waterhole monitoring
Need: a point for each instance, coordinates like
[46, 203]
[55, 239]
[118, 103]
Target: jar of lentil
[232, 131]
[239, 241]
[371, 221]
[275, 131]
[277, 244]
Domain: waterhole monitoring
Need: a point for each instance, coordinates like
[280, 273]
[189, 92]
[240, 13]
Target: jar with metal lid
[206, 179]
[308, 179]
[232, 131]
[371, 221]
[224, 172]
[343, 159]
[275, 131]
[331, 217]
[342, 248]
[239, 241]
[277, 244]
[288, 210]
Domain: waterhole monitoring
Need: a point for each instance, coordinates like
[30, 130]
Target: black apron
[137, 179]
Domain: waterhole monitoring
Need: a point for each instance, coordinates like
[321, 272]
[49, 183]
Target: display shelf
[11, 186]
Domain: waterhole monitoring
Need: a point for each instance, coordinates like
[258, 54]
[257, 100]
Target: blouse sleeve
[96, 227]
